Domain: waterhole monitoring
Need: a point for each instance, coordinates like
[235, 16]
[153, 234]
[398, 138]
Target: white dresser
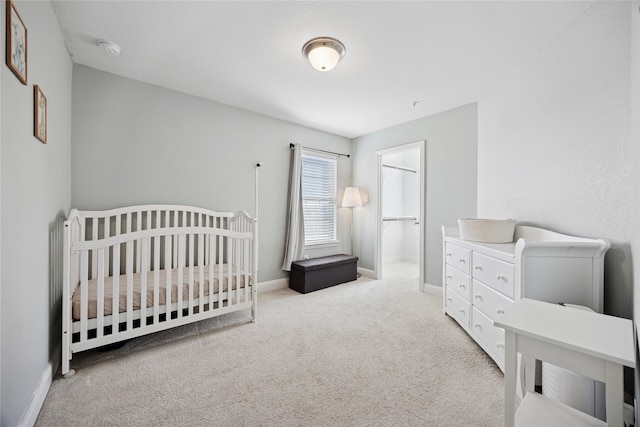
[481, 281]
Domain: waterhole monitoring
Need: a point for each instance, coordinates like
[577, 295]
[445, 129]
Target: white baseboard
[271, 285]
[367, 273]
[432, 289]
[37, 400]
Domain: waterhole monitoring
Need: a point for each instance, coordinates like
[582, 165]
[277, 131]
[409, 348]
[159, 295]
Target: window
[319, 198]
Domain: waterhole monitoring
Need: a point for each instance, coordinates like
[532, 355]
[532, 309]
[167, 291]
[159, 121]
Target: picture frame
[16, 43]
[39, 114]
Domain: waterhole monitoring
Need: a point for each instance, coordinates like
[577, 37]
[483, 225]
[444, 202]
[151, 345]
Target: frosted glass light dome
[323, 53]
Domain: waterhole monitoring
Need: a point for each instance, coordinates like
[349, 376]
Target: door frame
[378, 262]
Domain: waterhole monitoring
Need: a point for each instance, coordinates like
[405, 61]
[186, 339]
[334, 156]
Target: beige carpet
[365, 353]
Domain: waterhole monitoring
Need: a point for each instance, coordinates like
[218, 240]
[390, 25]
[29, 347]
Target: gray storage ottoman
[318, 273]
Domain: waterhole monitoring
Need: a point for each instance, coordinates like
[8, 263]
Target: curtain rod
[291, 145]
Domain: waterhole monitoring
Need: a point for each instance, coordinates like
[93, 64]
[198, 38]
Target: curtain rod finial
[258, 164]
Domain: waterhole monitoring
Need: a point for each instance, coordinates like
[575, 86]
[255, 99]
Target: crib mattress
[137, 289]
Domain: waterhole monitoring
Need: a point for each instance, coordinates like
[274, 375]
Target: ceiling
[404, 60]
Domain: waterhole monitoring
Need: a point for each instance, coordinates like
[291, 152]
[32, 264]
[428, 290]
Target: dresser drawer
[491, 336]
[494, 273]
[458, 307]
[458, 281]
[458, 257]
[491, 302]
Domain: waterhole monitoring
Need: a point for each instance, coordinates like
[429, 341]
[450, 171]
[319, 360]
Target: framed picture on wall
[16, 43]
[39, 114]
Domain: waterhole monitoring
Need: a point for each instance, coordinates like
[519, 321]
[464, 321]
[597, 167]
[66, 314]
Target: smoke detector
[110, 47]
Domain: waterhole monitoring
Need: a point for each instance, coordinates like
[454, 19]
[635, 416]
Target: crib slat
[190, 238]
[180, 283]
[84, 294]
[232, 267]
[156, 279]
[232, 262]
[144, 255]
[212, 263]
[201, 272]
[247, 269]
[175, 241]
[149, 224]
[167, 262]
[207, 239]
[115, 307]
[129, 267]
[100, 302]
[94, 255]
[138, 242]
[246, 263]
[220, 268]
[118, 229]
[107, 231]
[128, 228]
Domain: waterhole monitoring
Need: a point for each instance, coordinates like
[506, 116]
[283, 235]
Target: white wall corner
[272, 285]
[37, 400]
[432, 289]
[367, 273]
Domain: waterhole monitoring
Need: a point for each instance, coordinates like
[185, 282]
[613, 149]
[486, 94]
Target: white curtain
[294, 244]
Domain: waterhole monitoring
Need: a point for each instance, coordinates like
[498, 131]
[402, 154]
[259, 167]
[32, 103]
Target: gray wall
[135, 143]
[554, 146]
[35, 191]
[450, 175]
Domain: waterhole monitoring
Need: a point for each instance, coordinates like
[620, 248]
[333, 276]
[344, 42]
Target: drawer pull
[449, 278]
[501, 277]
[449, 300]
[478, 326]
[500, 310]
[462, 261]
[461, 311]
[449, 255]
[477, 267]
[462, 286]
[499, 344]
[478, 297]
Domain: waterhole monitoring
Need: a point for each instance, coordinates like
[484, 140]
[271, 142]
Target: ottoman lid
[323, 262]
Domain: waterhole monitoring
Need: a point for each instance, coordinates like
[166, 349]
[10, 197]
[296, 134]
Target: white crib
[162, 266]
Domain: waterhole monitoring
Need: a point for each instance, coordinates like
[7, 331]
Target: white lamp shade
[351, 198]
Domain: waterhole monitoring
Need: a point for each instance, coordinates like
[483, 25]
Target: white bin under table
[590, 344]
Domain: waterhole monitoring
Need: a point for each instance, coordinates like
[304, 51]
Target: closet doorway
[400, 217]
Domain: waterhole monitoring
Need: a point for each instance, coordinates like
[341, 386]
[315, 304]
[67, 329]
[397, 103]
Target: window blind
[319, 175]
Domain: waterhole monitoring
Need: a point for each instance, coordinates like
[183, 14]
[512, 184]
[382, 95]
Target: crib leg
[254, 311]
[66, 355]
[66, 370]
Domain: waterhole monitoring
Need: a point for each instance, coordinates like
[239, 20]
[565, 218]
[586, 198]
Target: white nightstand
[590, 344]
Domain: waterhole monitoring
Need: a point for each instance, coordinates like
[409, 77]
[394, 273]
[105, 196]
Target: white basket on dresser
[481, 281]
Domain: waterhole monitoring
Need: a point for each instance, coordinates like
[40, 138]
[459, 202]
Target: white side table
[590, 344]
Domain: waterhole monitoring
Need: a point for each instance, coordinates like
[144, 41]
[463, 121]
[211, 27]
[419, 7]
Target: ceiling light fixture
[110, 47]
[323, 53]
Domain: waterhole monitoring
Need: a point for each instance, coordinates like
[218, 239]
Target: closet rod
[400, 168]
[400, 218]
[291, 145]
